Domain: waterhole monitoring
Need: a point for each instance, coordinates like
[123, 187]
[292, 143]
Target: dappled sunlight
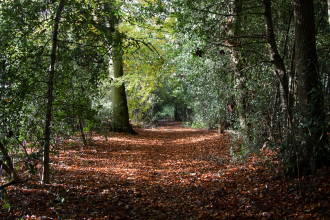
[154, 155]
[165, 171]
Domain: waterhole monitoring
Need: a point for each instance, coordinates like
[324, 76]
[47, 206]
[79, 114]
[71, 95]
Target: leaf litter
[171, 172]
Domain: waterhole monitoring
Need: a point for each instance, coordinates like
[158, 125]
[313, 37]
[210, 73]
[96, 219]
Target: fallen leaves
[168, 173]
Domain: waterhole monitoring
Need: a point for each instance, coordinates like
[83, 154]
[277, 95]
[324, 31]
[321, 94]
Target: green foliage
[167, 112]
[180, 60]
[210, 82]
[239, 154]
[27, 30]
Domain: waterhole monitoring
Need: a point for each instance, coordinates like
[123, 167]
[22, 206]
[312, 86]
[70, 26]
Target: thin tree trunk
[292, 79]
[220, 128]
[329, 11]
[281, 74]
[82, 133]
[176, 115]
[10, 167]
[238, 64]
[45, 176]
[274, 55]
[5, 168]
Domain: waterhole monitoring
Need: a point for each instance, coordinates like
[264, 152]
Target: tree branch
[13, 182]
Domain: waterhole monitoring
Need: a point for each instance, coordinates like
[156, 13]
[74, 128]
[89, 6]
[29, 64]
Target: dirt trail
[171, 172]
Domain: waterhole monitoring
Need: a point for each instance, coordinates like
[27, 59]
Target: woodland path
[171, 172]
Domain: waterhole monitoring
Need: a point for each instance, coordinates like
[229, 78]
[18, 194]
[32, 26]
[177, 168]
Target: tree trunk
[9, 168]
[220, 128]
[309, 90]
[4, 167]
[45, 175]
[237, 62]
[188, 114]
[276, 59]
[118, 94]
[119, 101]
[82, 133]
[329, 11]
[292, 77]
[176, 115]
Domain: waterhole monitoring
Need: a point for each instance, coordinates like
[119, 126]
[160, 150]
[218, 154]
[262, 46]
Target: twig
[13, 182]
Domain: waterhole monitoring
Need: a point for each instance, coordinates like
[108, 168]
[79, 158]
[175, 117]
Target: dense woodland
[236, 91]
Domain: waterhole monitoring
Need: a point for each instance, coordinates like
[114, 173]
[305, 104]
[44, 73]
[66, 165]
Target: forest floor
[171, 172]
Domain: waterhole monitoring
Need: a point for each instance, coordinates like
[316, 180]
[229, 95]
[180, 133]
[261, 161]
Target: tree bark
[45, 175]
[176, 115]
[276, 59]
[9, 168]
[280, 70]
[292, 80]
[82, 133]
[238, 64]
[309, 90]
[188, 114]
[329, 11]
[5, 168]
[220, 128]
[118, 95]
